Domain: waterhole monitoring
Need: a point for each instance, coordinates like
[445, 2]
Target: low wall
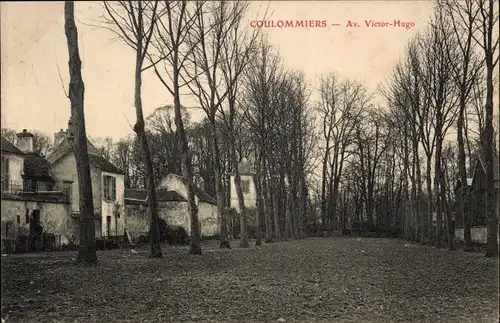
[54, 218]
[478, 234]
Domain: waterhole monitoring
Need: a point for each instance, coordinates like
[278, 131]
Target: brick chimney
[59, 137]
[63, 134]
[24, 141]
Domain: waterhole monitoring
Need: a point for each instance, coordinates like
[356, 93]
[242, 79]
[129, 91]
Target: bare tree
[134, 23]
[211, 32]
[340, 108]
[87, 248]
[236, 49]
[174, 48]
[262, 86]
[488, 18]
[466, 71]
[437, 78]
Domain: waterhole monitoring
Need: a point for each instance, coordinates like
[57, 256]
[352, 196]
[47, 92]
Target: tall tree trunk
[276, 211]
[323, 191]
[420, 212]
[464, 190]
[416, 182]
[447, 212]
[87, 248]
[492, 239]
[139, 128]
[187, 172]
[302, 214]
[241, 201]
[429, 223]
[259, 202]
[219, 189]
[437, 181]
[268, 209]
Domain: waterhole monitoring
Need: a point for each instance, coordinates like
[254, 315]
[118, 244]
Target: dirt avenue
[312, 280]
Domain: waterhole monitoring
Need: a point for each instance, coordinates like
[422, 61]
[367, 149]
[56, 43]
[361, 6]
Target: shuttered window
[109, 188]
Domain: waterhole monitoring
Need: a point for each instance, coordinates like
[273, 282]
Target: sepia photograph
[250, 161]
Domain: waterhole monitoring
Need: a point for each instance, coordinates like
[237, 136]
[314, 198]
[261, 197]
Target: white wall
[65, 170]
[54, 217]
[478, 234]
[16, 167]
[207, 216]
[173, 183]
[250, 197]
[117, 222]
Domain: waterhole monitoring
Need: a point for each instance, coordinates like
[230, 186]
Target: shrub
[176, 235]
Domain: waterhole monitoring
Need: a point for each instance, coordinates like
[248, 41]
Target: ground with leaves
[312, 280]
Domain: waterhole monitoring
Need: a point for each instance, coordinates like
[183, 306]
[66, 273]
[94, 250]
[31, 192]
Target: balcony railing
[36, 191]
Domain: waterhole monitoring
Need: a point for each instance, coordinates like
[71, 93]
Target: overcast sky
[34, 47]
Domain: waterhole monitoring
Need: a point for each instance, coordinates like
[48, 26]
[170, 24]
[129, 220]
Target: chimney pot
[25, 130]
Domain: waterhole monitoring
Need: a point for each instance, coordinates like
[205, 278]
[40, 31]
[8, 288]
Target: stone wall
[479, 234]
[174, 213]
[207, 215]
[54, 217]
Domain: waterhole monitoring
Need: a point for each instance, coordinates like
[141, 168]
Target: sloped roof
[139, 196]
[201, 194]
[65, 147]
[103, 164]
[9, 147]
[246, 167]
[37, 167]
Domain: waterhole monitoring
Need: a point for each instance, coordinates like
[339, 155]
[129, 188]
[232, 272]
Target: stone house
[207, 205]
[480, 217]
[476, 188]
[31, 197]
[247, 174]
[108, 187]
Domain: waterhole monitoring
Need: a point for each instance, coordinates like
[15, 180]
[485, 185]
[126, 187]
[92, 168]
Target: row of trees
[399, 162]
[254, 106]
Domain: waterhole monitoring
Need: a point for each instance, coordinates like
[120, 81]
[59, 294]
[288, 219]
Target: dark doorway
[108, 226]
[36, 231]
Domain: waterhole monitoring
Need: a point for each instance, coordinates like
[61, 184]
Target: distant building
[207, 206]
[479, 190]
[108, 185]
[172, 208]
[32, 201]
[247, 174]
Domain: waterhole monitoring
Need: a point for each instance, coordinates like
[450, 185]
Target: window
[27, 216]
[5, 173]
[18, 219]
[245, 186]
[109, 188]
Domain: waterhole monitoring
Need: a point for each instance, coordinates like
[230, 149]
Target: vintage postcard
[250, 161]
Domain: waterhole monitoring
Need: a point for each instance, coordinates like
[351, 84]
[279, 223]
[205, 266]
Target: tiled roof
[246, 167]
[8, 147]
[138, 196]
[201, 194]
[103, 164]
[37, 167]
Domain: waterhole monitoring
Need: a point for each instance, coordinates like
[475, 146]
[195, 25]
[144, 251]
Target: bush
[171, 234]
[346, 232]
[312, 229]
[71, 246]
[175, 235]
